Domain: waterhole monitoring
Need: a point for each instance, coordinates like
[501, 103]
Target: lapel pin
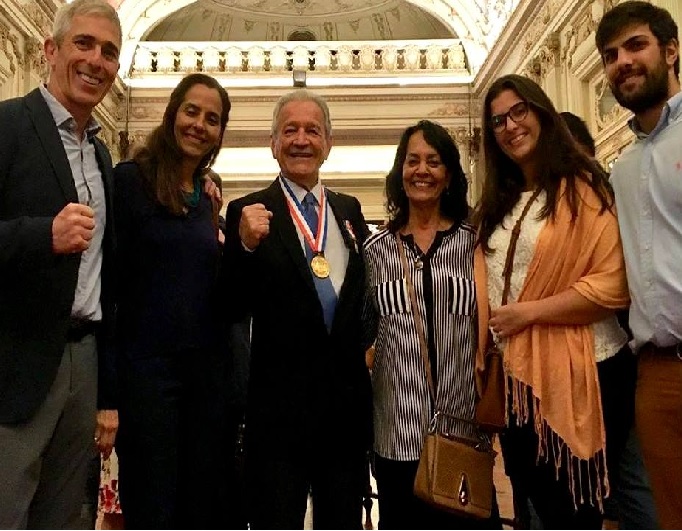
[349, 228]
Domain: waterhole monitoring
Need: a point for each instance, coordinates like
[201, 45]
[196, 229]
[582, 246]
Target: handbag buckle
[463, 491]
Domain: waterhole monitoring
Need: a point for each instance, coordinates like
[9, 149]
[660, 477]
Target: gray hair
[301, 95]
[67, 12]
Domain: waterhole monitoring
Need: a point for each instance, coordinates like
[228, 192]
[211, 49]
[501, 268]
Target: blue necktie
[324, 287]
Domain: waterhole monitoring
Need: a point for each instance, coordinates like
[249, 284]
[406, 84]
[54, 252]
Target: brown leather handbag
[455, 474]
[491, 407]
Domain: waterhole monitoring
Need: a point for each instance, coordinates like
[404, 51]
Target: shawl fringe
[587, 478]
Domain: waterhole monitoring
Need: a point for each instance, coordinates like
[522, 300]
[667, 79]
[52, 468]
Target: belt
[79, 328]
[667, 352]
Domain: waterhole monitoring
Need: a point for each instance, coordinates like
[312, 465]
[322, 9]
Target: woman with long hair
[167, 333]
[548, 242]
[428, 218]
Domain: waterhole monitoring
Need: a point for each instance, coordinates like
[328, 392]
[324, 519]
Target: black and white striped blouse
[444, 286]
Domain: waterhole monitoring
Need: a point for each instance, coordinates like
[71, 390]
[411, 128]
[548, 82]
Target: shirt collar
[671, 112]
[301, 192]
[63, 118]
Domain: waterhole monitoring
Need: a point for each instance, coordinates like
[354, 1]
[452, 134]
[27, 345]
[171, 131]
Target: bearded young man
[639, 46]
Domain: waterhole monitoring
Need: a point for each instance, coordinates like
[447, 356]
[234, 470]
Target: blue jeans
[633, 499]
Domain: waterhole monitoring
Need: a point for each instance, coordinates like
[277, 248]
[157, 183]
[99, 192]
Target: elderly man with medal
[292, 260]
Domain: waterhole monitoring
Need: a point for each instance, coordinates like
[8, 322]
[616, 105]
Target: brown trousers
[659, 427]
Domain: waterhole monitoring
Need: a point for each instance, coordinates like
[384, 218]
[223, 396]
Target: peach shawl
[557, 362]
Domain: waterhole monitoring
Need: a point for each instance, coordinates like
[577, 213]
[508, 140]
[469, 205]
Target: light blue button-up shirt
[88, 180]
[647, 180]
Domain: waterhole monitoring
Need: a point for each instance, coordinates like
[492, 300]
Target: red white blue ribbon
[316, 245]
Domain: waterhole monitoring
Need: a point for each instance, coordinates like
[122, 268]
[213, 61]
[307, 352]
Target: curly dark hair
[615, 20]
[453, 201]
[558, 158]
[160, 157]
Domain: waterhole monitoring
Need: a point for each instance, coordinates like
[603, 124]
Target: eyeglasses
[517, 113]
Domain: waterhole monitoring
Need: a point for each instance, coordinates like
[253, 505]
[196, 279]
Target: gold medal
[320, 266]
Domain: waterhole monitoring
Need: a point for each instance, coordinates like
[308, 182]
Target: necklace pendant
[419, 264]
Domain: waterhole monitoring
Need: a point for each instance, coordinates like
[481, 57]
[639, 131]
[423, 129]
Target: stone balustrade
[333, 57]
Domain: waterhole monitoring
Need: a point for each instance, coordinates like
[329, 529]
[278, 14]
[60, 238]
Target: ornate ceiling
[476, 22]
[308, 8]
[280, 20]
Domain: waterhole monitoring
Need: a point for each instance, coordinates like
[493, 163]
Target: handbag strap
[417, 320]
[423, 347]
[509, 260]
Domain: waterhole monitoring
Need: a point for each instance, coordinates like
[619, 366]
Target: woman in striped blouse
[426, 200]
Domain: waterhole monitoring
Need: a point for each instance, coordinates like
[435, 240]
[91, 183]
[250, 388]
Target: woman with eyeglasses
[546, 224]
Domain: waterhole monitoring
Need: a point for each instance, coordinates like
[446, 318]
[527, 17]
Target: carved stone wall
[12, 59]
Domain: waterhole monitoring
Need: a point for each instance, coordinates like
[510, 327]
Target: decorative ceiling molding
[213, 20]
[506, 45]
[527, 31]
[545, 59]
[477, 22]
[297, 8]
[451, 109]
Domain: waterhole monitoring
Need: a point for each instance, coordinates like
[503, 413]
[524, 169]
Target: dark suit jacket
[37, 287]
[309, 389]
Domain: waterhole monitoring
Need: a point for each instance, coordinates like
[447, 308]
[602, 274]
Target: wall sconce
[299, 78]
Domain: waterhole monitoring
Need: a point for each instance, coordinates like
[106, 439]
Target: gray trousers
[43, 462]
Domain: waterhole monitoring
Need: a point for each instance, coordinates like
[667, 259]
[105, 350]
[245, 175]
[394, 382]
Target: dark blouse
[166, 271]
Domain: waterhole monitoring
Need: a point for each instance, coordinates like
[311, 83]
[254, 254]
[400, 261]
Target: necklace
[192, 198]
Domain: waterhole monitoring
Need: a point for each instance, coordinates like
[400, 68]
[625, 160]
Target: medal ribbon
[316, 245]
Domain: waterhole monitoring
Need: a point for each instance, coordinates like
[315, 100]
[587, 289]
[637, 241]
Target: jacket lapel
[105, 167]
[106, 170]
[355, 264]
[52, 143]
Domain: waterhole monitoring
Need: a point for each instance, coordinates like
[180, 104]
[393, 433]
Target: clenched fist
[254, 225]
[72, 229]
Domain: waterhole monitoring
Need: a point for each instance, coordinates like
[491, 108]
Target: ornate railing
[334, 57]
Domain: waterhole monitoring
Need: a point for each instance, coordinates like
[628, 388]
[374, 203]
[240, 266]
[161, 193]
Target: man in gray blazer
[56, 247]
